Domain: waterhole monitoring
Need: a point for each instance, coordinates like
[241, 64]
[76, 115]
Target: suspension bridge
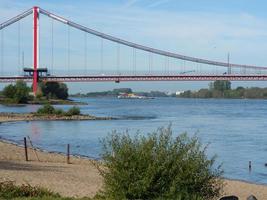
[100, 57]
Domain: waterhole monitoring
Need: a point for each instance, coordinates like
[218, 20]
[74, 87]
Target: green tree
[9, 91]
[18, 93]
[22, 92]
[54, 90]
[158, 166]
[221, 85]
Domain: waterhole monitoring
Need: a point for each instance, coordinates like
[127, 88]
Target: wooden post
[68, 154]
[26, 150]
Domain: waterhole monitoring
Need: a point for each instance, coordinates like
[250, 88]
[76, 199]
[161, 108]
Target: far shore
[15, 117]
[80, 178]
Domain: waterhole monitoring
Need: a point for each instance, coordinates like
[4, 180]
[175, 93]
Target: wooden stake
[34, 150]
[68, 154]
[26, 150]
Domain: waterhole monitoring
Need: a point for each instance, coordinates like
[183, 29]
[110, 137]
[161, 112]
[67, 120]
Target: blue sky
[201, 28]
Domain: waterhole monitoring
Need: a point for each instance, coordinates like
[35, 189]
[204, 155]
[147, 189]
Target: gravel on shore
[12, 117]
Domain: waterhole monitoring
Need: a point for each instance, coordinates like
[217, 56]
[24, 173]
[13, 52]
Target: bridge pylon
[35, 48]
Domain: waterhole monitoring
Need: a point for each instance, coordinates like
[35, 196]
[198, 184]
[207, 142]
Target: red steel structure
[35, 48]
[125, 78]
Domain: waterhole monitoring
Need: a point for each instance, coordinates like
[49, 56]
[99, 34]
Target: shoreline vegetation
[223, 90]
[118, 91]
[217, 90]
[8, 102]
[49, 113]
[51, 169]
[48, 93]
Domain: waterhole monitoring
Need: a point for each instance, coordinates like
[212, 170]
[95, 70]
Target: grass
[10, 191]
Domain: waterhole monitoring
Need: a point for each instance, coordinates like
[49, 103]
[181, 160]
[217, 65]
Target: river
[236, 130]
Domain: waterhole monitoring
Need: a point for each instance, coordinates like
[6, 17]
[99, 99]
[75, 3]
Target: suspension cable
[167, 65]
[52, 46]
[150, 62]
[2, 52]
[22, 47]
[101, 55]
[134, 61]
[118, 59]
[85, 52]
[39, 46]
[19, 46]
[68, 49]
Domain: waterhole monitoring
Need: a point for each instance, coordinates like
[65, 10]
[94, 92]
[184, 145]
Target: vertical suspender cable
[118, 59]
[52, 45]
[101, 56]
[21, 47]
[150, 63]
[39, 43]
[134, 61]
[182, 66]
[168, 65]
[69, 50]
[85, 52]
[2, 52]
[165, 65]
[18, 67]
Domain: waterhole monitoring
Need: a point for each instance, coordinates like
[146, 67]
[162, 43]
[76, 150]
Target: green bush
[46, 110]
[8, 190]
[73, 111]
[50, 110]
[59, 112]
[158, 166]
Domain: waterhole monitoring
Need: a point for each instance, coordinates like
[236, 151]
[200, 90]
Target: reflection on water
[235, 129]
[35, 132]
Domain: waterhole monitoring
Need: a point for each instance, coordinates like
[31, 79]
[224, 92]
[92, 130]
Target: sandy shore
[12, 117]
[80, 178]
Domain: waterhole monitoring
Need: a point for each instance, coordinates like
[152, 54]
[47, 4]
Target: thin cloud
[130, 3]
[158, 3]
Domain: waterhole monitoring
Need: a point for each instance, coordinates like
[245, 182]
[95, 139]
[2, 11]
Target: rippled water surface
[235, 129]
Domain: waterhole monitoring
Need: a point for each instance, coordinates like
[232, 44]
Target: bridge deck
[123, 78]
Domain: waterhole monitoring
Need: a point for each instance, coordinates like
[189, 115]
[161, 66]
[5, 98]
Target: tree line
[222, 89]
[20, 92]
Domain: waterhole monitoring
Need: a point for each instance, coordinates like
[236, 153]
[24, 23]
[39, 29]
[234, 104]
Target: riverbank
[80, 178]
[8, 102]
[13, 117]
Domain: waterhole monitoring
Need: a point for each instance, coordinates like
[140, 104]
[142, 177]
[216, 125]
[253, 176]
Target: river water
[236, 130]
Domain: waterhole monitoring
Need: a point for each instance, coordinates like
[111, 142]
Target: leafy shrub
[50, 110]
[158, 166]
[46, 110]
[8, 190]
[73, 111]
[59, 112]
